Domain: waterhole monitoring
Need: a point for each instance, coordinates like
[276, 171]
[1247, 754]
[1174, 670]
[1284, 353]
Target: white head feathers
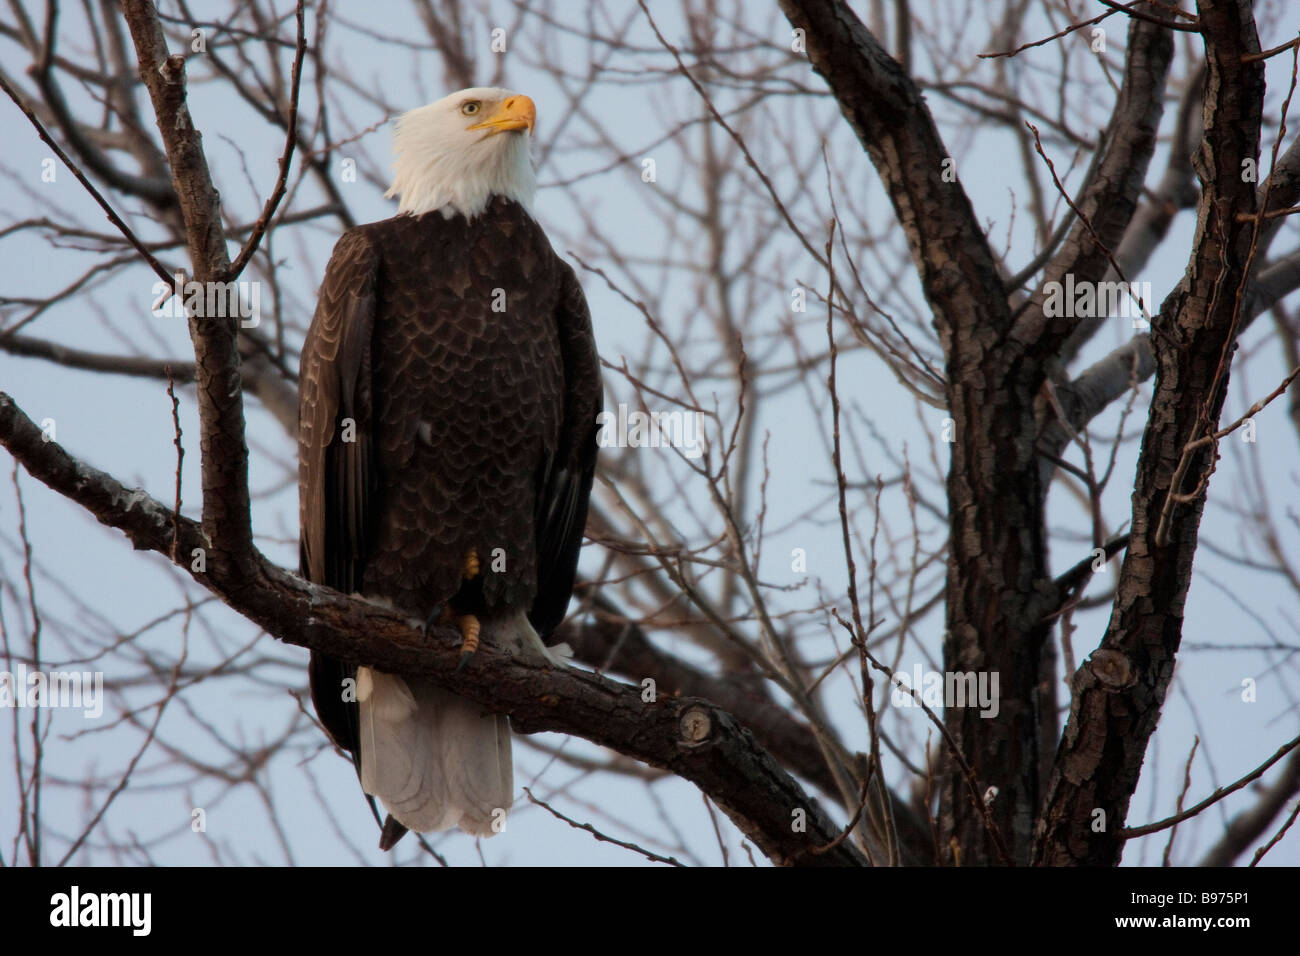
[456, 154]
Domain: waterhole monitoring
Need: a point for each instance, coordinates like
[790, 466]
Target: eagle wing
[336, 471]
[565, 480]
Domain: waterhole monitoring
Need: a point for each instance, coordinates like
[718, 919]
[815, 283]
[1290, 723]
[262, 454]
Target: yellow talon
[471, 564]
[469, 628]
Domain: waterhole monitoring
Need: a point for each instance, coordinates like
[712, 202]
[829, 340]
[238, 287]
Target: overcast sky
[90, 582]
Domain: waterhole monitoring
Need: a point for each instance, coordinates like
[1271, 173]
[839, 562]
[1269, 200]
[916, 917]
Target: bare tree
[857, 412]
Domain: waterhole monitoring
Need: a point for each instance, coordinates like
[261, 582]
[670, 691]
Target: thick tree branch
[1109, 378]
[994, 621]
[690, 737]
[623, 648]
[1176, 191]
[885, 109]
[226, 516]
[1119, 690]
[1111, 197]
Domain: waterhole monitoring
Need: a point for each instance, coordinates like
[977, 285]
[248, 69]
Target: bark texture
[1119, 691]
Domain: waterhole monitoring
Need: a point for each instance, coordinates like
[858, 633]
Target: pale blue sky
[123, 426]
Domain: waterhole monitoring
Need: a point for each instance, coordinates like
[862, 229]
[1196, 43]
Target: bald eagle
[447, 440]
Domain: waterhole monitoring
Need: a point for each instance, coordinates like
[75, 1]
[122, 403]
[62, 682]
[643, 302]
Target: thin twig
[649, 855]
[1259, 854]
[1114, 9]
[286, 158]
[860, 632]
[967, 772]
[1182, 796]
[180, 458]
[1051, 168]
[1128, 833]
[717, 117]
[162, 271]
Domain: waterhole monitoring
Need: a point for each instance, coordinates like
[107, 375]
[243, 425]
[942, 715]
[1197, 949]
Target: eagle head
[456, 154]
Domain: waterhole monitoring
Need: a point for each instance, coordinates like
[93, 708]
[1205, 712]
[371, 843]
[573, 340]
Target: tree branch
[690, 737]
[224, 455]
[1107, 205]
[1251, 824]
[1119, 690]
[995, 499]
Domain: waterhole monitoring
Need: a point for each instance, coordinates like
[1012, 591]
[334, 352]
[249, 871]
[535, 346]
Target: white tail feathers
[436, 760]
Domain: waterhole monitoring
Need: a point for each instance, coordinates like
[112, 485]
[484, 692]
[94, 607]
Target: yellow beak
[517, 112]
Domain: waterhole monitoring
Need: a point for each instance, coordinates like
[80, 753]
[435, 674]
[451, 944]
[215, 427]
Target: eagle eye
[470, 107]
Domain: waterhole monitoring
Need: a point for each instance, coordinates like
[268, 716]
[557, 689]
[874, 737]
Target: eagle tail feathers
[435, 760]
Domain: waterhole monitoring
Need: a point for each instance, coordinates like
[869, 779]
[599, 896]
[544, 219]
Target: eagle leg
[469, 628]
[471, 564]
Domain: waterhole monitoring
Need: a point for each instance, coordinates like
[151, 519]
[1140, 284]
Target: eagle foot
[434, 617]
[469, 628]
